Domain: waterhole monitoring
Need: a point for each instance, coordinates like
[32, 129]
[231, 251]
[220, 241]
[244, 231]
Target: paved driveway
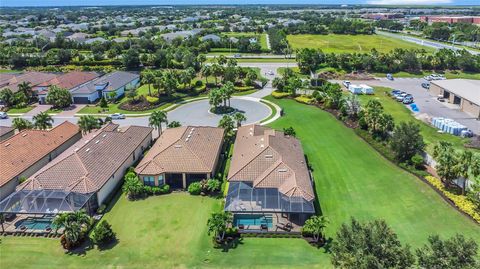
[426, 102]
[36, 110]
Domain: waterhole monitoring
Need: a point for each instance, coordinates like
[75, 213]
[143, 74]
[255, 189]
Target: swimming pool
[35, 223]
[253, 220]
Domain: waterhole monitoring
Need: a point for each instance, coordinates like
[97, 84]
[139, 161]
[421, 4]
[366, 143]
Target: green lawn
[349, 43]
[19, 110]
[401, 113]
[351, 179]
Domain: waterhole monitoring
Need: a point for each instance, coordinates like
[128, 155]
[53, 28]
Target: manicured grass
[272, 114]
[401, 113]
[19, 110]
[349, 43]
[352, 179]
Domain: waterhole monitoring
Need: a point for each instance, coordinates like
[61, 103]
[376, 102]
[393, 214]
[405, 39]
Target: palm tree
[87, 123]
[132, 186]
[156, 119]
[206, 71]
[467, 165]
[239, 118]
[228, 90]
[148, 78]
[42, 121]
[315, 226]
[215, 97]
[26, 88]
[21, 124]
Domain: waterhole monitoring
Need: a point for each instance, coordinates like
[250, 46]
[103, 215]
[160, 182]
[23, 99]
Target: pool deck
[11, 229]
[279, 224]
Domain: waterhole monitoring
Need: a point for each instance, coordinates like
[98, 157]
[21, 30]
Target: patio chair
[264, 226]
[241, 226]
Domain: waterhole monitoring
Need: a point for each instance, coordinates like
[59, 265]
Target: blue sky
[198, 2]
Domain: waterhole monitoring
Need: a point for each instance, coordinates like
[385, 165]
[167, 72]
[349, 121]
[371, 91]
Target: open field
[351, 179]
[349, 43]
[401, 113]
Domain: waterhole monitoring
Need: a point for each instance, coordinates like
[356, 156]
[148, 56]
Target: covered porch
[183, 180]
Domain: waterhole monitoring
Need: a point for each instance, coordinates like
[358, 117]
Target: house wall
[121, 91]
[470, 108]
[38, 165]
[106, 191]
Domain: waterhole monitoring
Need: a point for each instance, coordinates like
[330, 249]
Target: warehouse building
[463, 92]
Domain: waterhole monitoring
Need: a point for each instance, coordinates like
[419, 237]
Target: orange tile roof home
[269, 159]
[95, 164]
[34, 78]
[70, 80]
[26, 152]
[183, 150]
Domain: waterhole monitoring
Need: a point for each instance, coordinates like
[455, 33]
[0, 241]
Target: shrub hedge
[279, 95]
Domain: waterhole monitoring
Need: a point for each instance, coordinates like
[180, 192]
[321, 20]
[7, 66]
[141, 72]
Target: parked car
[408, 100]
[346, 83]
[389, 76]
[434, 77]
[3, 115]
[237, 55]
[394, 92]
[398, 93]
[426, 85]
[117, 116]
[402, 96]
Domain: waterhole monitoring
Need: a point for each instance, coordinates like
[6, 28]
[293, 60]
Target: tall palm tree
[42, 121]
[156, 119]
[148, 78]
[206, 72]
[26, 88]
[228, 90]
[87, 123]
[239, 118]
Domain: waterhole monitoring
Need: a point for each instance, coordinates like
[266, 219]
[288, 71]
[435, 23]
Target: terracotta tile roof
[19, 152]
[70, 80]
[91, 162]
[269, 159]
[183, 150]
[34, 78]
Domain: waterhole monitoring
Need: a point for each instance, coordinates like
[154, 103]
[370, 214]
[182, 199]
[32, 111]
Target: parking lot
[426, 103]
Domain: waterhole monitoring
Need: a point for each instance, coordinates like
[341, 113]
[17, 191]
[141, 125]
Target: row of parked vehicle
[434, 77]
[402, 96]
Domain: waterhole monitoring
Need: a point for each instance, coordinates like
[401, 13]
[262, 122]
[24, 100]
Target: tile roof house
[95, 165]
[117, 82]
[182, 155]
[26, 152]
[269, 174]
[66, 81]
[34, 78]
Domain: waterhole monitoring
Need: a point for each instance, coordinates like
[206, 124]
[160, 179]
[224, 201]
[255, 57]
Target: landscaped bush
[154, 190]
[195, 188]
[280, 95]
[304, 99]
[244, 88]
[461, 201]
[101, 209]
[102, 233]
[152, 100]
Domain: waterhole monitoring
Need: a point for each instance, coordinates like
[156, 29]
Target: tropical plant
[42, 121]
[157, 118]
[468, 166]
[148, 78]
[315, 226]
[351, 105]
[206, 72]
[25, 87]
[102, 233]
[195, 188]
[103, 102]
[7, 96]
[456, 252]
[227, 123]
[289, 131]
[213, 185]
[215, 97]
[174, 124]
[239, 118]
[218, 223]
[227, 91]
[446, 161]
[369, 245]
[58, 97]
[406, 141]
[21, 124]
[87, 123]
[132, 186]
[75, 225]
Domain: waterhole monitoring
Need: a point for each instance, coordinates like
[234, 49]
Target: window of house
[161, 181]
[149, 181]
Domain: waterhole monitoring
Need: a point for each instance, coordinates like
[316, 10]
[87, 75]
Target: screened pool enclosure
[45, 202]
[243, 198]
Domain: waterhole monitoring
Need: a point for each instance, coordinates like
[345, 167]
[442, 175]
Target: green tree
[218, 223]
[58, 97]
[6, 95]
[406, 141]
[215, 97]
[21, 124]
[112, 96]
[75, 225]
[103, 102]
[239, 118]
[289, 131]
[456, 252]
[206, 72]
[446, 162]
[369, 245]
[26, 88]
[132, 186]
[87, 123]
[131, 59]
[227, 91]
[156, 119]
[174, 124]
[102, 233]
[315, 226]
[227, 123]
[42, 121]
[468, 166]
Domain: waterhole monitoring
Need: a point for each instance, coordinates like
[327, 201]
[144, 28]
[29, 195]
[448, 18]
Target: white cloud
[408, 2]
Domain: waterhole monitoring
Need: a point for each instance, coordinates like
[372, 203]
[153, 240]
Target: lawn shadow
[328, 245]
[109, 245]
[82, 249]
[228, 245]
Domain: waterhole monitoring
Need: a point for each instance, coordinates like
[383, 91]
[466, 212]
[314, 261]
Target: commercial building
[28, 151]
[181, 156]
[450, 19]
[463, 92]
